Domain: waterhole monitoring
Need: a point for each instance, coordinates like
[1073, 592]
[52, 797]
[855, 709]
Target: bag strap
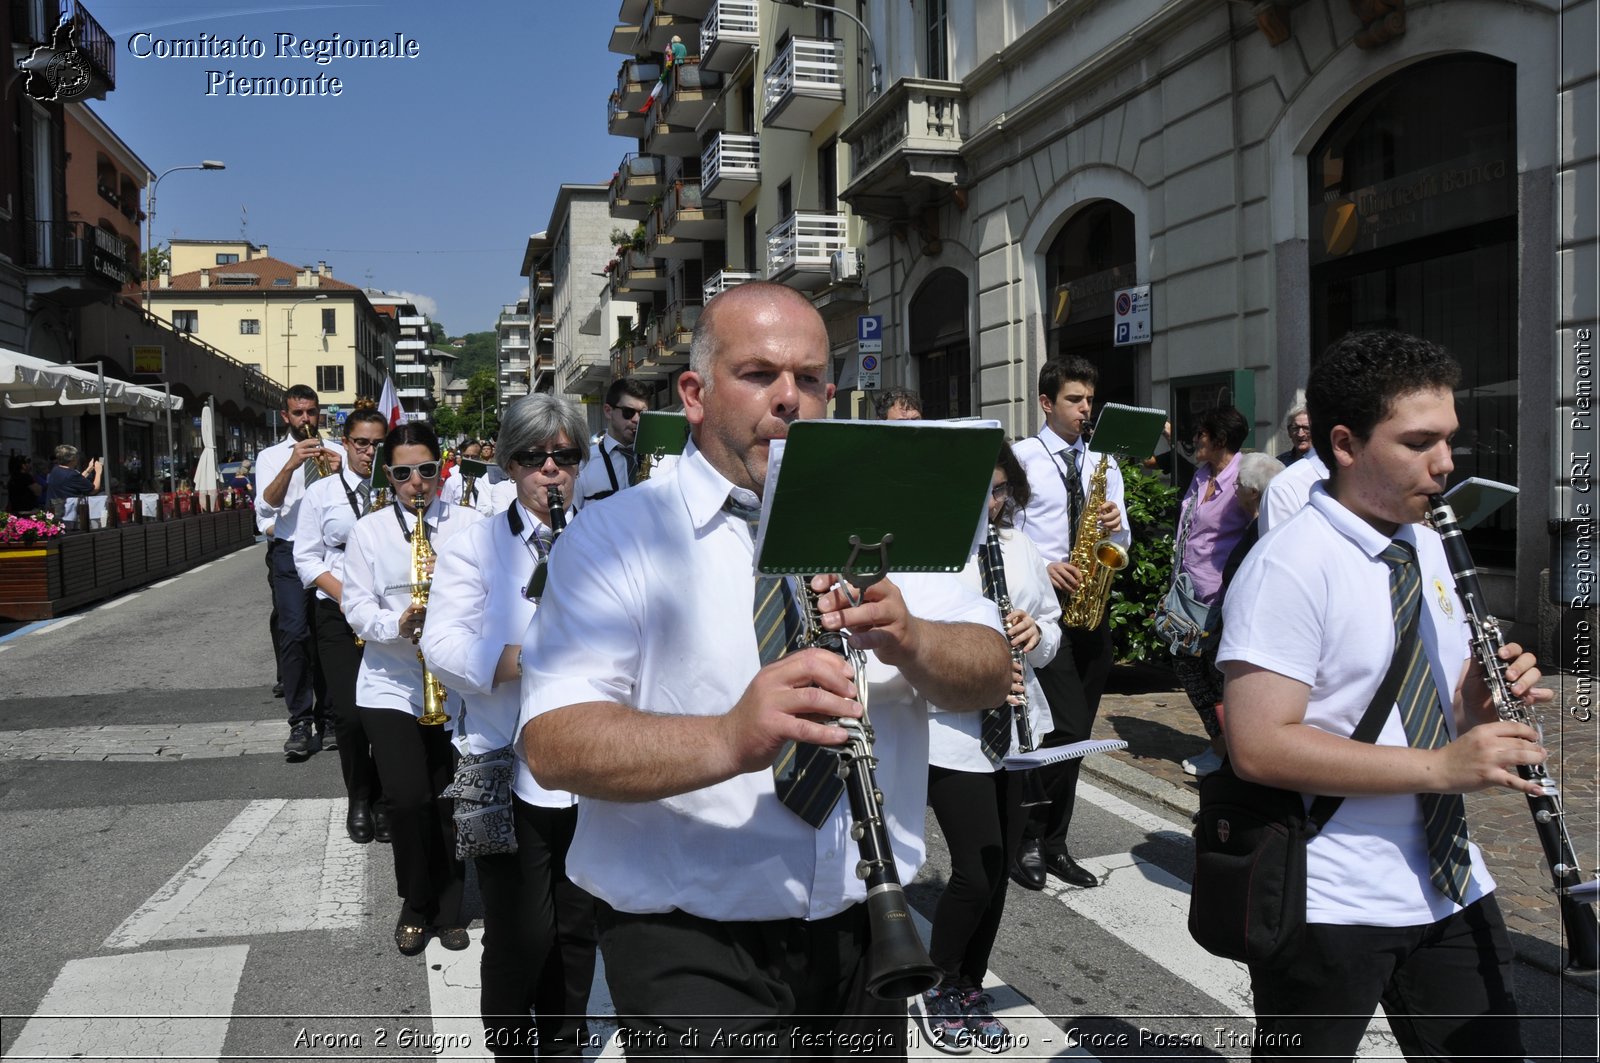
[1323, 808]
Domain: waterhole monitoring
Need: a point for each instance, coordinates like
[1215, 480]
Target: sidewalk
[1145, 707]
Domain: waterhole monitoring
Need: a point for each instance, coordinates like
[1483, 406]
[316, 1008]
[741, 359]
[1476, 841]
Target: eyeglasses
[361, 444]
[1299, 429]
[1000, 490]
[566, 457]
[628, 412]
[401, 473]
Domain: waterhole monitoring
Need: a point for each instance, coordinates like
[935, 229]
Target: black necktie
[632, 459]
[994, 726]
[364, 492]
[1074, 494]
[1444, 816]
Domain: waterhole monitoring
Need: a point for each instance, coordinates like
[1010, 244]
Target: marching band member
[616, 462]
[328, 512]
[538, 928]
[979, 806]
[415, 762]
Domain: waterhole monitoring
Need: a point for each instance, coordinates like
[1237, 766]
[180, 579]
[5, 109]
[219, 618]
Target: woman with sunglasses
[978, 805]
[538, 927]
[414, 762]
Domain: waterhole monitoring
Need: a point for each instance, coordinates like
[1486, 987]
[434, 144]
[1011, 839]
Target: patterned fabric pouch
[482, 792]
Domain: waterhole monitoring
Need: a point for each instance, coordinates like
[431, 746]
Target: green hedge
[1152, 509]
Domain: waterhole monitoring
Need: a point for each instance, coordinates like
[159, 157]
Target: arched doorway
[1413, 226]
[1088, 261]
[940, 344]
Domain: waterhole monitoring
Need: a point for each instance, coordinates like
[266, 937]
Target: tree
[479, 414]
[150, 263]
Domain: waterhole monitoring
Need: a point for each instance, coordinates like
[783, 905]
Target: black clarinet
[558, 524]
[897, 965]
[993, 565]
[1577, 917]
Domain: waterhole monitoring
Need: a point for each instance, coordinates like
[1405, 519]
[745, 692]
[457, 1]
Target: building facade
[565, 268]
[414, 364]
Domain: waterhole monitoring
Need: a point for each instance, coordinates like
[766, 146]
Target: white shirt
[954, 737]
[476, 608]
[648, 606]
[326, 514]
[450, 492]
[377, 590]
[1311, 602]
[606, 471]
[1287, 492]
[1048, 518]
[279, 521]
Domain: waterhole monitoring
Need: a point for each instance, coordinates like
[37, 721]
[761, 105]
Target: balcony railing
[689, 216]
[75, 248]
[638, 180]
[635, 78]
[804, 84]
[800, 248]
[505, 320]
[724, 279]
[730, 166]
[731, 31]
[905, 149]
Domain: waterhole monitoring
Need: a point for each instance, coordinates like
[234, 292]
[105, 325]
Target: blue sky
[425, 175]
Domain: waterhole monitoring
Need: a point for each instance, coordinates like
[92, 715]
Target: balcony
[513, 389]
[677, 329]
[660, 138]
[624, 121]
[518, 342]
[635, 79]
[689, 217]
[663, 244]
[544, 279]
[412, 393]
[659, 27]
[686, 8]
[800, 249]
[624, 38]
[725, 279]
[632, 11]
[410, 369]
[730, 166]
[905, 150]
[731, 31]
[92, 47]
[514, 365]
[637, 182]
[64, 255]
[509, 318]
[691, 96]
[804, 84]
[641, 273]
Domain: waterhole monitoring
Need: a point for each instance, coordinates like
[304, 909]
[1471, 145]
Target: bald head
[751, 297]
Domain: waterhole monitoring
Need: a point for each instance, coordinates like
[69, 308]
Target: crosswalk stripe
[148, 1005]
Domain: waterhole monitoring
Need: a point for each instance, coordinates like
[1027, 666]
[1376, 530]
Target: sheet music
[1038, 758]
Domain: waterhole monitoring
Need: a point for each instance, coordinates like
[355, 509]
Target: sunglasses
[401, 473]
[566, 457]
[628, 413]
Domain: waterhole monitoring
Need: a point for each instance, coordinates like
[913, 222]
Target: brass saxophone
[641, 472]
[1094, 555]
[433, 692]
[305, 431]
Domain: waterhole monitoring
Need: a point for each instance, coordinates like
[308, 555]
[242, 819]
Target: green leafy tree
[1152, 509]
[479, 415]
[149, 264]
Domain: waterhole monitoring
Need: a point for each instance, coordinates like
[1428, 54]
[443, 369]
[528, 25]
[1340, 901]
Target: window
[938, 38]
[752, 249]
[249, 326]
[280, 282]
[785, 200]
[828, 176]
[226, 260]
[186, 320]
[330, 378]
[329, 320]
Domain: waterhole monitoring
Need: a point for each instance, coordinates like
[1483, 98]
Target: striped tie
[994, 725]
[1074, 480]
[1444, 816]
[805, 776]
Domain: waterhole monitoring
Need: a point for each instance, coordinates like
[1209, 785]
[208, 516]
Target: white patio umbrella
[206, 477]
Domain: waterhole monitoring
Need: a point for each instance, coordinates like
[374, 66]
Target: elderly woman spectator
[65, 481]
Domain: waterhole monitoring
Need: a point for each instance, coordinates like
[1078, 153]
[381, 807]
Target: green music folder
[869, 497]
[380, 477]
[660, 433]
[1129, 432]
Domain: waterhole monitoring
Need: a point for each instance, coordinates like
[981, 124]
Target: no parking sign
[869, 351]
[1130, 319]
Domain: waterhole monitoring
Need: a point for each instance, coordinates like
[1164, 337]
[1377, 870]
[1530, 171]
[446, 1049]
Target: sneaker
[986, 1031]
[328, 741]
[298, 747]
[942, 1021]
[1202, 764]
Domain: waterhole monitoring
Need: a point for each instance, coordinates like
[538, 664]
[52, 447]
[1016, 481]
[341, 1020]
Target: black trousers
[291, 605]
[415, 763]
[1072, 685]
[1203, 683]
[981, 817]
[691, 987]
[1445, 988]
[340, 660]
[538, 940]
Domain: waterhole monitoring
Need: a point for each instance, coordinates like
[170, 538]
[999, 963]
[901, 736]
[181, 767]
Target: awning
[34, 384]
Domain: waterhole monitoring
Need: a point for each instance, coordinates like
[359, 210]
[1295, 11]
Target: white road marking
[165, 582]
[59, 624]
[150, 743]
[115, 602]
[199, 568]
[152, 1005]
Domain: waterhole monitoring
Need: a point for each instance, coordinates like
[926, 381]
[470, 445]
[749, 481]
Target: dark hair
[1225, 425]
[627, 385]
[1021, 494]
[17, 461]
[888, 400]
[301, 392]
[412, 433]
[1058, 371]
[1359, 377]
[366, 415]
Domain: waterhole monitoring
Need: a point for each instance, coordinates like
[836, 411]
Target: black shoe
[453, 938]
[327, 741]
[380, 824]
[1027, 870]
[298, 747]
[409, 938]
[358, 822]
[277, 690]
[1068, 870]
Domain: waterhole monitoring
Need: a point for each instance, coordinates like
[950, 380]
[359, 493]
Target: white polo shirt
[1048, 518]
[604, 473]
[327, 513]
[279, 521]
[1287, 492]
[649, 605]
[1311, 602]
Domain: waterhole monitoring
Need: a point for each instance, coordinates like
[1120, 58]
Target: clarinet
[897, 965]
[1578, 918]
[558, 524]
[992, 563]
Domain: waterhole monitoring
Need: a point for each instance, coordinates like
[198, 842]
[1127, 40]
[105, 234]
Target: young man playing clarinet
[1399, 906]
[648, 693]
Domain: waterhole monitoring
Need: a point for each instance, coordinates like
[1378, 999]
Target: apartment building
[512, 339]
[574, 321]
[414, 364]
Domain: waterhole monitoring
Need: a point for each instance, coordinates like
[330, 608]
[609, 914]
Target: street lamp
[150, 216]
[288, 338]
[872, 51]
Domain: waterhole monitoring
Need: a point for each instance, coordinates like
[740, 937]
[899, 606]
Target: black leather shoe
[277, 690]
[358, 823]
[380, 824]
[410, 939]
[453, 938]
[1068, 870]
[1027, 870]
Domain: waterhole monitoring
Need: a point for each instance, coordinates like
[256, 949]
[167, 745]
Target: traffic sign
[869, 372]
[1131, 317]
[869, 333]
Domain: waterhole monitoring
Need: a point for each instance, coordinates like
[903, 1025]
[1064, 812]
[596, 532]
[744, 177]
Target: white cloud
[426, 303]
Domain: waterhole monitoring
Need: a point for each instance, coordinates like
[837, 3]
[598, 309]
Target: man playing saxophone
[1063, 470]
[650, 694]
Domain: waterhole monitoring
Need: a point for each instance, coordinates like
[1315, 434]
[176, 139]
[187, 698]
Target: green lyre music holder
[472, 467]
[660, 433]
[840, 494]
[380, 475]
[1129, 432]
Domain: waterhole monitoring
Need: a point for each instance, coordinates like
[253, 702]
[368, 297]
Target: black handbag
[1248, 896]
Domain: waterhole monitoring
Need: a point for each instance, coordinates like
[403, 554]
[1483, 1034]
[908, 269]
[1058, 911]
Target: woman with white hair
[538, 928]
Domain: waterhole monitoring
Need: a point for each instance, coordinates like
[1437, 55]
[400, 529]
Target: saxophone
[1094, 555]
[433, 692]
